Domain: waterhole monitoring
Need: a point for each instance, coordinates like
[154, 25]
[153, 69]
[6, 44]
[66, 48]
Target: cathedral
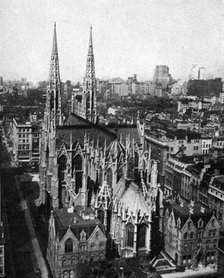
[97, 182]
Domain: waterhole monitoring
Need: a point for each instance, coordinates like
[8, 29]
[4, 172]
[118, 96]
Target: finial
[90, 36]
[138, 115]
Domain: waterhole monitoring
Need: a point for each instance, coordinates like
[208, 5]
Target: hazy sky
[129, 36]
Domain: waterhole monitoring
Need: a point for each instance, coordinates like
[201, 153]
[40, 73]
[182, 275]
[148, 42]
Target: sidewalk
[35, 244]
[201, 272]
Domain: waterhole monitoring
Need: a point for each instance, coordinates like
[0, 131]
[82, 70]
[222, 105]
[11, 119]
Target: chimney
[71, 209]
[191, 210]
[75, 220]
[202, 210]
[121, 272]
[181, 203]
[191, 207]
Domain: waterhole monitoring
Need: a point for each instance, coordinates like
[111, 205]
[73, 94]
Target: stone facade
[74, 238]
[192, 234]
[105, 172]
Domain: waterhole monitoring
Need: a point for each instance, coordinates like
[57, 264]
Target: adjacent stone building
[191, 235]
[75, 236]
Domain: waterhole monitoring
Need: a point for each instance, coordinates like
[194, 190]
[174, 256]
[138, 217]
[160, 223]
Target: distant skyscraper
[162, 80]
[194, 72]
[201, 73]
[162, 75]
[1, 81]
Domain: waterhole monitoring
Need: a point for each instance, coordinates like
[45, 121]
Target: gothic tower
[52, 118]
[89, 86]
[53, 104]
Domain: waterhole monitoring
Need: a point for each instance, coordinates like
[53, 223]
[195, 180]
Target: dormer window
[200, 223]
[97, 235]
[83, 236]
[68, 245]
[189, 225]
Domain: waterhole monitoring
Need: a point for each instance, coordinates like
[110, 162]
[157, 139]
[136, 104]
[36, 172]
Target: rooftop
[65, 220]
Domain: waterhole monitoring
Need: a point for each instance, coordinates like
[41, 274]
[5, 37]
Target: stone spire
[89, 86]
[54, 88]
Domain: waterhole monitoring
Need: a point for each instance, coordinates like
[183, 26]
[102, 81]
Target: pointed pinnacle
[55, 47]
[90, 36]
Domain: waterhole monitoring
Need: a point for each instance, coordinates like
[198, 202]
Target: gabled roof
[163, 263]
[196, 168]
[65, 220]
[183, 212]
[133, 199]
[78, 133]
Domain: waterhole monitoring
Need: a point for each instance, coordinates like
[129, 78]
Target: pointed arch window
[119, 172]
[136, 166]
[68, 245]
[200, 223]
[62, 163]
[101, 215]
[78, 171]
[136, 160]
[141, 235]
[109, 177]
[130, 235]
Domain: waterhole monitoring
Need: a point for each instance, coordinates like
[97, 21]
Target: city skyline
[131, 37]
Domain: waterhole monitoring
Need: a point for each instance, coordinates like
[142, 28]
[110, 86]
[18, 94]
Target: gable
[192, 225]
[67, 235]
[210, 223]
[93, 237]
[62, 151]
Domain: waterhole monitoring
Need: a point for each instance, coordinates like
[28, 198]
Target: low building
[216, 196]
[25, 137]
[75, 236]
[191, 234]
[163, 143]
[206, 144]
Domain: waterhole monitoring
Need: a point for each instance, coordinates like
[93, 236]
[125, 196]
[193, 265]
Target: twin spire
[55, 45]
[88, 110]
[53, 101]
